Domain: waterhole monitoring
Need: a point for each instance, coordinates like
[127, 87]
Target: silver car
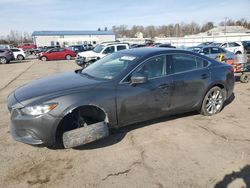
[214, 51]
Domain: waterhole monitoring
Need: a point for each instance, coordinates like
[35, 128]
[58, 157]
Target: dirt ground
[187, 150]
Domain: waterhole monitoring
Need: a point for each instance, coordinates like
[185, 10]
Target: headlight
[38, 109]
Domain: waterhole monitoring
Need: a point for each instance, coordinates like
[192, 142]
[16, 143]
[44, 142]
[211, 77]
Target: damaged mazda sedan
[123, 88]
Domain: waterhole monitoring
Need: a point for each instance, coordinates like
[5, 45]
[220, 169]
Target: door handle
[163, 86]
[204, 76]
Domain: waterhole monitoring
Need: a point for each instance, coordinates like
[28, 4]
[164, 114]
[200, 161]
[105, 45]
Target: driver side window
[154, 67]
[109, 50]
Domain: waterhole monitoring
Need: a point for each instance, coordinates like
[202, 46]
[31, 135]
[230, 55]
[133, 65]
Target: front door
[148, 100]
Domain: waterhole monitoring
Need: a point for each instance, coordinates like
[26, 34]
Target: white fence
[193, 40]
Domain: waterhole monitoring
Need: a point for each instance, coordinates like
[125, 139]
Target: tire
[88, 63]
[68, 57]
[3, 60]
[244, 78]
[28, 53]
[238, 53]
[213, 102]
[20, 57]
[44, 58]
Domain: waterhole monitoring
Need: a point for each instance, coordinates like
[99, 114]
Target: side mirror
[138, 79]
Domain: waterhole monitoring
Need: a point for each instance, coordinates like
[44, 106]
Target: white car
[101, 50]
[19, 54]
[235, 47]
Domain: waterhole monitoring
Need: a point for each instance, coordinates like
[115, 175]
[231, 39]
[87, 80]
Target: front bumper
[80, 61]
[31, 129]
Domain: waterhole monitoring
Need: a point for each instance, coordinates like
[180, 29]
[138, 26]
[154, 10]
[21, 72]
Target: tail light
[231, 68]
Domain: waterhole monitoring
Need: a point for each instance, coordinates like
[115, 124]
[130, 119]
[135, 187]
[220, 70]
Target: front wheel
[213, 102]
[68, 57]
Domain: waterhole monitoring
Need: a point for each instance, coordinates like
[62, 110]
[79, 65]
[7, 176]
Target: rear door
[61, 53]
[121, 47]
[191, 78]
[149, 100]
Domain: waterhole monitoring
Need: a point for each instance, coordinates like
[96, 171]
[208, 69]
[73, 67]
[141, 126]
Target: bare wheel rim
[214, 101]
[3, 60]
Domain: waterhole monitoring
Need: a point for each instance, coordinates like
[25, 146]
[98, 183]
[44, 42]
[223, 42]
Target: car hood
[88, 54]
[50, 85]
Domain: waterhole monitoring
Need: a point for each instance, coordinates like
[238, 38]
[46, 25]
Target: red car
[56, 54]
[27, 46]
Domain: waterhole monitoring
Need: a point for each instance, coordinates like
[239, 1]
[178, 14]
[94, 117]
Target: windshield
[98, 48]
[110, 66]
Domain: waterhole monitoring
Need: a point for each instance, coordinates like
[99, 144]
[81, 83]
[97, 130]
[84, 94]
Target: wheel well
[93, 114]
[223, 89]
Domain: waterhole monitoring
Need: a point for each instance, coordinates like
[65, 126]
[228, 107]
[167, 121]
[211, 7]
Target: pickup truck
[88, 57]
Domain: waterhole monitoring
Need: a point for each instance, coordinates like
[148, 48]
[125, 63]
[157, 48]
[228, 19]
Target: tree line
[16, 37]
[174, 30]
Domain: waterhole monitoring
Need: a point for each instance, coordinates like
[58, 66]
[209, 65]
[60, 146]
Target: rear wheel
[213, 101]
[3, 60]
[44, 58]
[20, 57]
[244, 78]
[68, 57]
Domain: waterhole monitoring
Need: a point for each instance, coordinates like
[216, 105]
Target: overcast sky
[30, 15]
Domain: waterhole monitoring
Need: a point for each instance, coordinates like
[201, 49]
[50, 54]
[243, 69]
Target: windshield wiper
[87, 75]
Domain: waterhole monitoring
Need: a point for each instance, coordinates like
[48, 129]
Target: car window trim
[143, 62]
[170, 74]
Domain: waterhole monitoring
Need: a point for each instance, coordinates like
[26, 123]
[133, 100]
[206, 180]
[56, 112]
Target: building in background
[53, 38]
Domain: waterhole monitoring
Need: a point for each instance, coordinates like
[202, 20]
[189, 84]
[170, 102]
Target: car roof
[113, 43]
[151, 51]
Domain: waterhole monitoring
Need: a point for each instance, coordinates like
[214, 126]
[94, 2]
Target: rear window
[182, 62]
[215, 50]
[121, 47]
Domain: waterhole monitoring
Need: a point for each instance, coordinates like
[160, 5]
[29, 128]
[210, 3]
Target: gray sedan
[123, 88]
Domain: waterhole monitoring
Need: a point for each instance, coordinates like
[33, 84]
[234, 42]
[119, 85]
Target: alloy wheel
[214, 101]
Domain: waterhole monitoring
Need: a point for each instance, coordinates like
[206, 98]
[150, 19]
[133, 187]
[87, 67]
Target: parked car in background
[205, 44]
[235, 47]
[6, 55]
[43, 49]
[27, 46]
[246, 45]
[57, 54]
[4, 46]
[214, 51]
[165, 46]
[138, 45]
[88, 47]
[77, 48]
[19, 54]
[86, 58]
[120, 89]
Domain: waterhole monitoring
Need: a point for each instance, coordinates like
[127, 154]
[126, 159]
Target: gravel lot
[187, 150]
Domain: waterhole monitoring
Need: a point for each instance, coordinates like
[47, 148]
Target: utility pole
[225, 26]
